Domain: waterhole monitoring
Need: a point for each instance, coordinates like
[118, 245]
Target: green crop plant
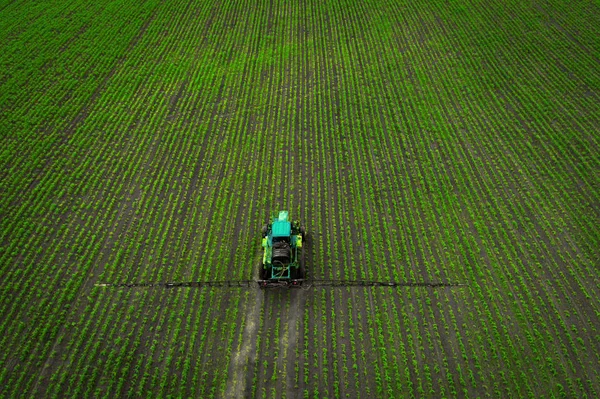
[414, 140]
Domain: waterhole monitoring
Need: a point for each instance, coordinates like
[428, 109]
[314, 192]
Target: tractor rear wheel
[264, 275]
[301, 271]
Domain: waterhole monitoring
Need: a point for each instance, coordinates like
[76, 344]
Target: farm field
[417, 141]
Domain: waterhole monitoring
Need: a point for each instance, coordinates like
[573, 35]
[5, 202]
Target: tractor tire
[301, 271]
[264, 273]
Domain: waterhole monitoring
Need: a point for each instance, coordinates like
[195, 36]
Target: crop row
[415, 142]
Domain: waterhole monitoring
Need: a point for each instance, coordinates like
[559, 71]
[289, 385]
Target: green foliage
[415, 141]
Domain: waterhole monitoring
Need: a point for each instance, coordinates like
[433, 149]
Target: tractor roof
[281, 228]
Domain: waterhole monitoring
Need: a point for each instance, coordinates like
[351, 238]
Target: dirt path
[289, 343]
[237, 387]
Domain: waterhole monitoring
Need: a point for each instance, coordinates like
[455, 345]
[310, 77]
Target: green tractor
[282, 245]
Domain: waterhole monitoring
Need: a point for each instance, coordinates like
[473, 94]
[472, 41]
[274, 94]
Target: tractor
[282, 246]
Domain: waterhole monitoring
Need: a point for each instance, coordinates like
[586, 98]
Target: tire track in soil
[239, 383]
[297, 302]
